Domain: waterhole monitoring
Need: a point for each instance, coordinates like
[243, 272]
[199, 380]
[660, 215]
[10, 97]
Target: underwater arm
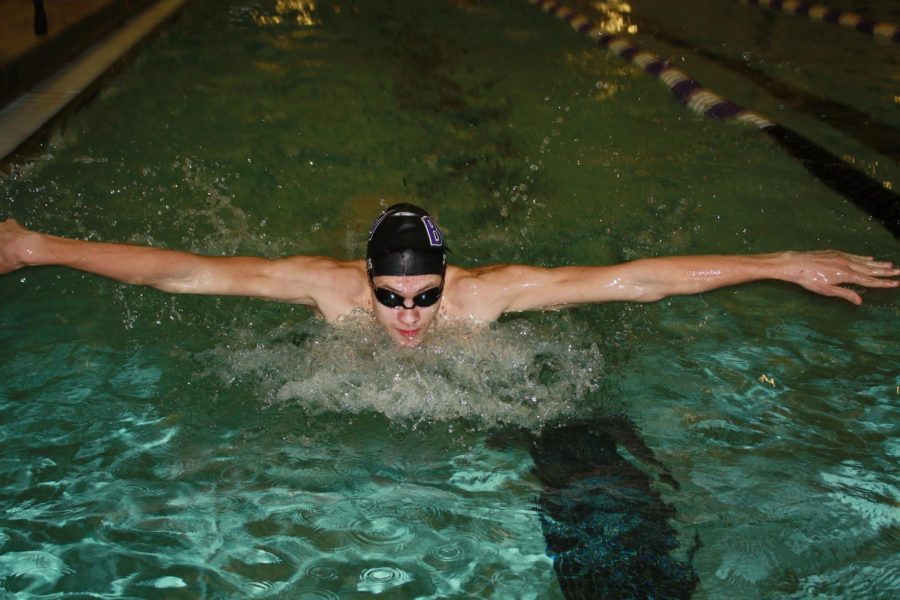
[518, 288]
[291, 279]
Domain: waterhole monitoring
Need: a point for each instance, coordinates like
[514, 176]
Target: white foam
[515, 373]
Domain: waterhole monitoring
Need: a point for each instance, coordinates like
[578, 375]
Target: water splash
[513, 373]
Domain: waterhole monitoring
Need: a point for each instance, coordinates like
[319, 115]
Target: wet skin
[406, 326]
[481, 295]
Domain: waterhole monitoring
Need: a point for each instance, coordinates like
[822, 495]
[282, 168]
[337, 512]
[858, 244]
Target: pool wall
[56, 75]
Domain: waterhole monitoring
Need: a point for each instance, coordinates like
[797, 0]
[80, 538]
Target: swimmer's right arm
[292, 279]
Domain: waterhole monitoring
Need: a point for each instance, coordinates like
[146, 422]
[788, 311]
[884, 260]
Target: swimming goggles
[422, 299]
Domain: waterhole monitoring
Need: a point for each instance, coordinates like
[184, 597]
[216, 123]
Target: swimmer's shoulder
[335, 287]
[476, 294]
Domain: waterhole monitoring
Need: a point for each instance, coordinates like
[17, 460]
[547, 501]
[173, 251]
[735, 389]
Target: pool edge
[23, 119]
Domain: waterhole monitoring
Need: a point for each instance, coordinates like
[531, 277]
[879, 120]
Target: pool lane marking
[860, 189]
[880, 137]
[882, 30]
[27, 114]
[688, 90]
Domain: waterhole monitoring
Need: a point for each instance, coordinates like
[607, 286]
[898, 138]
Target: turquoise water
[161, 446]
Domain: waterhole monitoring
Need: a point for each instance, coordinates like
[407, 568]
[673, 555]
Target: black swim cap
[404, 240]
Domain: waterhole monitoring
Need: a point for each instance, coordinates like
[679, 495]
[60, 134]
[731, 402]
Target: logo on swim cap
[434, 234]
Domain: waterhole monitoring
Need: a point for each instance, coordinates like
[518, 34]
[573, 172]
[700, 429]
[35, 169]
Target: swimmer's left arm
[823, 272]
[519, 288]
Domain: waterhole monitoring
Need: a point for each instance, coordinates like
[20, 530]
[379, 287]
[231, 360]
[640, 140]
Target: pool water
[739, 444]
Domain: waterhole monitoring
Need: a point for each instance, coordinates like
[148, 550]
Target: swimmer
[407, 285]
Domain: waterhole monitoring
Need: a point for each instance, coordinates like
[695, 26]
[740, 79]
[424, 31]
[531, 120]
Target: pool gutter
[23, 118]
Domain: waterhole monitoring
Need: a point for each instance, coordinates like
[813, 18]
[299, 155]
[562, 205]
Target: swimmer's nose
[409, 316]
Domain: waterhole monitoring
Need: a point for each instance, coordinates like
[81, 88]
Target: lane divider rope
[860, 189]
[817, 12]
[699, 99]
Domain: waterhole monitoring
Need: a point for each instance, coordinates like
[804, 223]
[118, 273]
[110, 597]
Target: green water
[160, 446]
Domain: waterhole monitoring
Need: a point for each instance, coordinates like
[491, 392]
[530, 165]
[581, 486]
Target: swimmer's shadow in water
[606, 528]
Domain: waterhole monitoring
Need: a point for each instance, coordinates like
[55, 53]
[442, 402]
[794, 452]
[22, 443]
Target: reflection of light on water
[864, 492]
[615, 16]
[37, 568]
[301, 10]
[381, 579]
[382, 531]
[512, 373]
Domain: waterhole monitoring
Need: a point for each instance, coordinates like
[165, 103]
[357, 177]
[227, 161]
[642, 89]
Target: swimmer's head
[405, 241]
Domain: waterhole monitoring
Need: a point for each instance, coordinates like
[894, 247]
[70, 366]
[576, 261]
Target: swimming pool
[741, 444]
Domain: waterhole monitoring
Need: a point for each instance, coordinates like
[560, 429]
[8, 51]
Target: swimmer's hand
[13, 242]
[825, 272]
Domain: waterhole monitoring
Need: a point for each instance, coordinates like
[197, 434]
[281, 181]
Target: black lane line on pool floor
[880, 30]
[857, 187]
[880, 137]
[607, 529]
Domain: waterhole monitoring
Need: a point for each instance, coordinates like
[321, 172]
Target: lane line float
[817, 12]
[857, 187]
[880, 137]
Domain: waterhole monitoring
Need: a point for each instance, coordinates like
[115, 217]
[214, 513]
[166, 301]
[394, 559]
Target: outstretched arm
[518, 288]
[297, 279]
[823, 272]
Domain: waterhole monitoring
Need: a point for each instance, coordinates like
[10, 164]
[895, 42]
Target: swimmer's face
[407, 324]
